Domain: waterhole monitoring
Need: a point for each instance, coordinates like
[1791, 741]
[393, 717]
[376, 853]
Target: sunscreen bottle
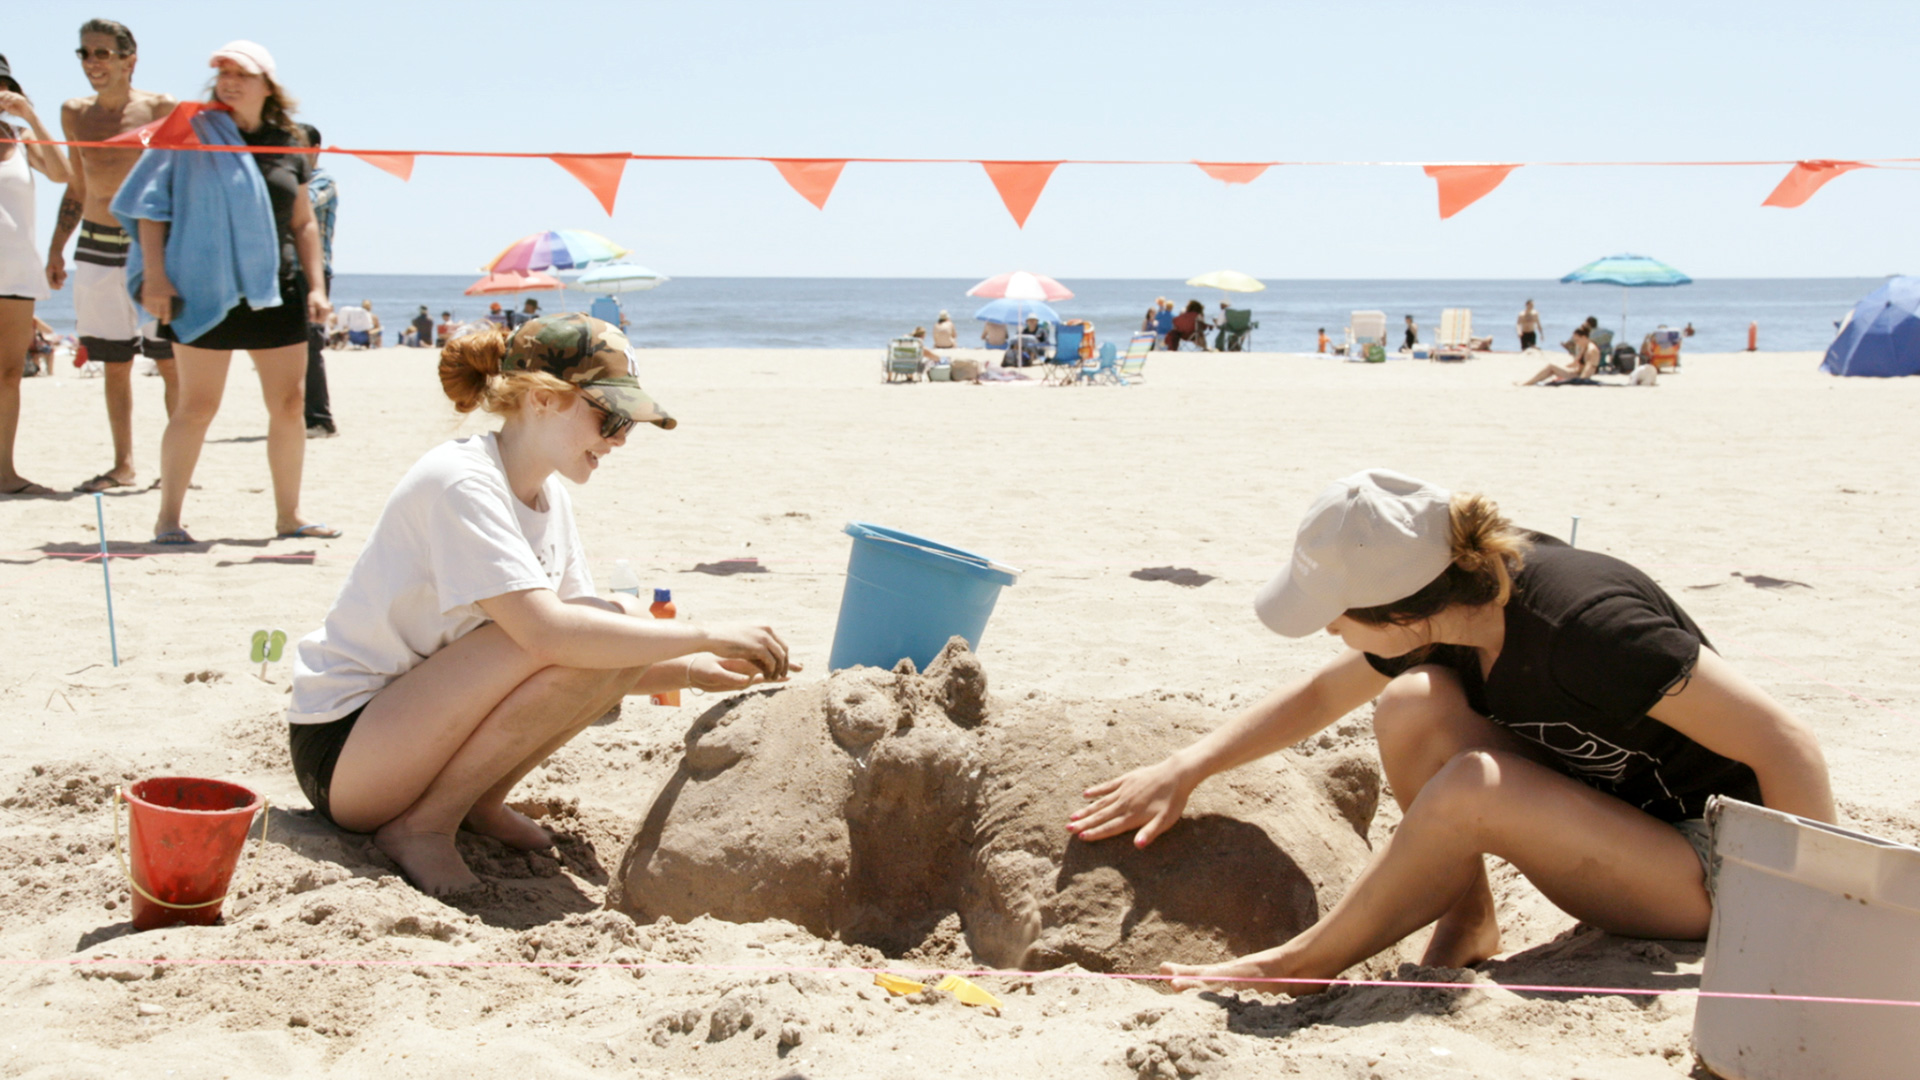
[663, 609]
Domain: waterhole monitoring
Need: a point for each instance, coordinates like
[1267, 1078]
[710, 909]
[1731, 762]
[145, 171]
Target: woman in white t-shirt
[467, 644]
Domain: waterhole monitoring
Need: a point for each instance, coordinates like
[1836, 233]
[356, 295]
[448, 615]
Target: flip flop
[174, 538]
[100, 483]
[28, 487]
[276, 645]
[259, 652]
[311, 532]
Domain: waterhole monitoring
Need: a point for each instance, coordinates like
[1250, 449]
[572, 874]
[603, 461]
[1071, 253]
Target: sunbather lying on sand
[1548, 705]
[1586, 361]
[467, 644]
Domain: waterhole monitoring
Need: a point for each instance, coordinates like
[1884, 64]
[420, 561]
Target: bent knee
[1413, 698]
[1468, 787]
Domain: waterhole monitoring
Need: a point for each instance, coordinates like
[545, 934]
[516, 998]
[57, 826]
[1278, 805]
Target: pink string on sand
[615, 965]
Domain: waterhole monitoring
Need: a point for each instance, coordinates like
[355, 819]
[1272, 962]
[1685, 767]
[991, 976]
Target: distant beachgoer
[527, 313]
[110, 325]
[994, 335]
[1189, 326]
[423, 328]
[1528, 326]
[358, 324]
[1586, 361]
[1412, 336]
[1029, 345]
[1546, 704]
[1589, 326]
[23, 277]
[443, 331]
[253, 210]
[496, 316]
[945, 336]
[326, 204]
[467, 643]
[1688, 331]
[1146, 324]
[1323, 340]
[1163, 323]
[928, 357]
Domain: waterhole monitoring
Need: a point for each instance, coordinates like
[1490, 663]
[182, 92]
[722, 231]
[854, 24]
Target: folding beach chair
[903, 358]
[1134, 364]
[1066, 354]
[1663, 350]
[607, 310]
[1236, 330]
[1366, 328]
[1103, 368]
[1456, 335]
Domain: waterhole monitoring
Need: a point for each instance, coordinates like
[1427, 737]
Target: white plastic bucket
[1806, 908]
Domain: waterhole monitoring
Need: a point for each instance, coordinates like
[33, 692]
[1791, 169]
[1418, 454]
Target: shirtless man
[1528, 324]
[107, 320]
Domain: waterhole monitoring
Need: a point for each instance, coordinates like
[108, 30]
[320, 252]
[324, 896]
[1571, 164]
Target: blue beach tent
[1881, 336]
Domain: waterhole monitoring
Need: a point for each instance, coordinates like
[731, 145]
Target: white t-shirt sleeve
[475, 547]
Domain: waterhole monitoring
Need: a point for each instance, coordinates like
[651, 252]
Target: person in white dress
[23, 277]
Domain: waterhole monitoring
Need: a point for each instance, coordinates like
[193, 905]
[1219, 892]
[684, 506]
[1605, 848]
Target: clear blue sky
[1236, 81]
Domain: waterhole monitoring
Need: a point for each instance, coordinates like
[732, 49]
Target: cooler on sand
[1806, 908]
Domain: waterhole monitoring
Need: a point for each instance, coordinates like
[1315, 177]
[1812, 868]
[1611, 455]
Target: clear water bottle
[624, 579]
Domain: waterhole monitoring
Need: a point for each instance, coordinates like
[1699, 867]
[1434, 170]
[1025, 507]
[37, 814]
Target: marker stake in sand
[113, 636]
[1573, 534]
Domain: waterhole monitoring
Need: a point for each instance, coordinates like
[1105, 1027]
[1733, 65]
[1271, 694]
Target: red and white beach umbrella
[1021, 285]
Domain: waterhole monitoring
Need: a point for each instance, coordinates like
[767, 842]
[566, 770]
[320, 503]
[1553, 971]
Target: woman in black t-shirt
[275, 336]
[1546, 705]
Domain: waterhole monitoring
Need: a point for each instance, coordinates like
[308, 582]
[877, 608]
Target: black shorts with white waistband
[316, 750]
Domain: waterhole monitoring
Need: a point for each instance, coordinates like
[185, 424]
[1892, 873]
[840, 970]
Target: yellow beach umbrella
[1227, 281]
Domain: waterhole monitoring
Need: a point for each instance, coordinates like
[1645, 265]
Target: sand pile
[877, 805]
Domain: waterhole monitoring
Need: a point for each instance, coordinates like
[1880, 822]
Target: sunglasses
[612, 424]
[100, 54]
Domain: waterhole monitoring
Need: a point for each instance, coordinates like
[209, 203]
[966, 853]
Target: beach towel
[222, 237]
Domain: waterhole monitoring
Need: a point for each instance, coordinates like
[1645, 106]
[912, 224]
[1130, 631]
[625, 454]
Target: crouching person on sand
[467, 644]
[1547, 705]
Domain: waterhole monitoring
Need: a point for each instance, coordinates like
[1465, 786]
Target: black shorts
[1528, 338]
[316, 750]
[247, 327]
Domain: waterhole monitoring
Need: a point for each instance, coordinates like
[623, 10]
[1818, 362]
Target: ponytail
[1487, 551]
[470, 374]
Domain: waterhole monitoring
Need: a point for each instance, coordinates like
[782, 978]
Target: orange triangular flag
[172, 130]
[1019, 184]
[400, 165]
[813, 178]
[1462, 185]
[600, 172]
[1807, 178]
[1233, 172]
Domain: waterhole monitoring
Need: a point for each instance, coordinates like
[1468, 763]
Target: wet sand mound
[874, 805]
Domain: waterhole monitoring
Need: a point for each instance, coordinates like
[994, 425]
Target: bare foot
[1459, 943]
[510, 827]
[1245, 973]
[427, 859]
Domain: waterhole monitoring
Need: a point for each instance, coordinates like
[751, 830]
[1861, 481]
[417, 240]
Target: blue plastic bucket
[906, 596]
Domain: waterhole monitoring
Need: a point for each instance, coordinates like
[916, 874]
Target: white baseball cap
[1368, 539]
[249, 56]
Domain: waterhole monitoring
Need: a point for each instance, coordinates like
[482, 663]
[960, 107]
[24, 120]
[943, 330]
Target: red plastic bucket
[184, 837]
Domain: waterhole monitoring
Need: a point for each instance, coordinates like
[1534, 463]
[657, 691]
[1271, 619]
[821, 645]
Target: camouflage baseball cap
[586, 352]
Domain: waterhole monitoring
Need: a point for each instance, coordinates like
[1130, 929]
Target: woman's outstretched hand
[1150, 798]
[717, 676]
[757, 645]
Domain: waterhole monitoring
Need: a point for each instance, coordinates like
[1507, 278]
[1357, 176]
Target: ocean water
[1792, 313]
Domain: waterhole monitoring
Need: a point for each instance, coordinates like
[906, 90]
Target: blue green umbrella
[1628, 272]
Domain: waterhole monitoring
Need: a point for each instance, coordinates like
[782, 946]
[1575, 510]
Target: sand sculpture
[872, 805]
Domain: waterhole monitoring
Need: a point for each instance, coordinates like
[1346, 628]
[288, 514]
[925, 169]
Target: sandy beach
[1778, 504]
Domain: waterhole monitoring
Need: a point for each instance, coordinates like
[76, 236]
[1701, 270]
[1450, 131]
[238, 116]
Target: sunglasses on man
[612, 424]
[86, 54]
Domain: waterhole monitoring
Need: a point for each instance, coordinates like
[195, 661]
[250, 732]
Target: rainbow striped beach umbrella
[564, 249]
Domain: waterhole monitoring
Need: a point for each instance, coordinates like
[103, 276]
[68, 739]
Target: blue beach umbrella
[1881, 336]
[1628, 272]
[1016, 312]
